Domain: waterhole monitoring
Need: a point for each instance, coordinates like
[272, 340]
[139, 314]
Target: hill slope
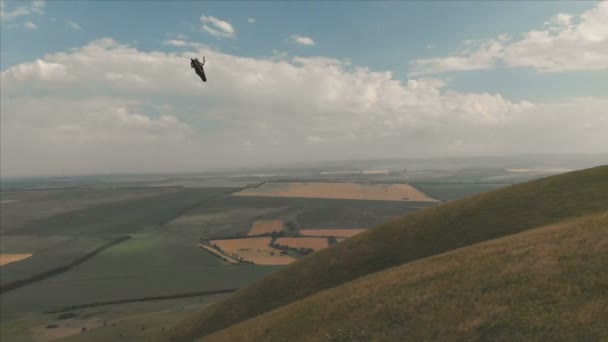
[425, 233]
[544, 284]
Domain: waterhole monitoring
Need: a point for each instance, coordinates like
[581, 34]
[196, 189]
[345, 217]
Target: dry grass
[9, 258]
[303, 242]
[554, 291]
[256, 250]
[331, 232]
[216, 252]
[356, 191]
[262, 227]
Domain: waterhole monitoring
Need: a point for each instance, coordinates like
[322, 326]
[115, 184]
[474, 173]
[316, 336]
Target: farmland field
[218, 254]
[6, 259]
[169, 222]
[22, 207]
[356, 191]
[126, 271]
[263, 227]
[133, 321]
[303, 242]
[115, 218]
[256, 250]
[47, 253]
[331, 232]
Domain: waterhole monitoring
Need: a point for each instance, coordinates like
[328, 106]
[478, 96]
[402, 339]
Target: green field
[48, 252]
[234, 215]
[119, 218]
[130, 321]
[422, 234]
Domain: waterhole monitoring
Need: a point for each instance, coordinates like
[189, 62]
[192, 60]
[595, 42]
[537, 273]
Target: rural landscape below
[79, 254]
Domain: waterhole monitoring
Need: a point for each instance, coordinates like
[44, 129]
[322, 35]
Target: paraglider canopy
[198, 67]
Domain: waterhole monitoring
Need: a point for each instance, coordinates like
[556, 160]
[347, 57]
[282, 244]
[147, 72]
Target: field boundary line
[206, 199]
[60, 269]
[143, 299]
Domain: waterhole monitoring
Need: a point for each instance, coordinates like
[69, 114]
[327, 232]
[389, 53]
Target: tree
[331, 240]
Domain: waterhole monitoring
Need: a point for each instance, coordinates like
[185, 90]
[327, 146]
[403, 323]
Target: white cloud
[561, 19]
[181, 43]
[36, 6]
[483, 56]
[251, 20]
[302, 40]
[562, 46]
[217, 27]
[73, 25]
[149, 111]
[30, 25]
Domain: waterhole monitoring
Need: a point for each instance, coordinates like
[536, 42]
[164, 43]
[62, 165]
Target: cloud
[251, 20]
[217, 27]
[30, 25]
[302, 40]
[561, 19]
[147, 111]
[562, 46]
[181, 43]
[73, 25]
[36, 6]
[483, 56]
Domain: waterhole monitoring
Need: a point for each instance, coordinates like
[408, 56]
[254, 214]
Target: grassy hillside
[425, 233]
[545, 284]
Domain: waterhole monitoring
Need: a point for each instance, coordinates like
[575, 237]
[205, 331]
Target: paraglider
[198, 67]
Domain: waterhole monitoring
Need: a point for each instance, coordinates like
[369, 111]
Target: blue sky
[448, 77]
[378, 35]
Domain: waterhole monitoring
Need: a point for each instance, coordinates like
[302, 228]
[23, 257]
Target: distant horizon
[307, 164]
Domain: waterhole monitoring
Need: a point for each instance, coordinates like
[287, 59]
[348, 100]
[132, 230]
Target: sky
[106, 87]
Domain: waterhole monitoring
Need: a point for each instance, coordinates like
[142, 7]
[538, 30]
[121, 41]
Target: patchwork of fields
[256, 250]
[172, 231]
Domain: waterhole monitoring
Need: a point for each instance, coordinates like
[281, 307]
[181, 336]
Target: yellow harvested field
[355, 191]
[216, 252]
[261, 227]
[8, 258]
[256, 250]
[331, 232]
[303, 242]
[375, 172]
